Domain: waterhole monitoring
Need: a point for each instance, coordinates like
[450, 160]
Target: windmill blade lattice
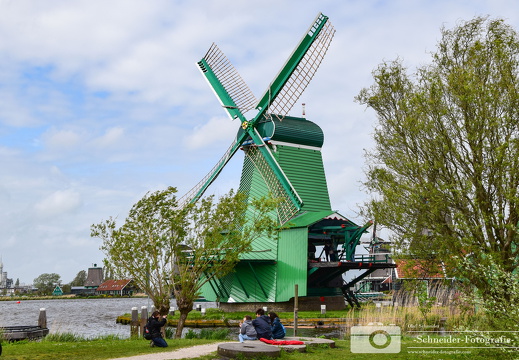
[231, 80]
[306, 69]
[286, 209]
[198, 190]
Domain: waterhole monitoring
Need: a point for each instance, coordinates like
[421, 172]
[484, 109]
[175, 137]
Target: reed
[410, 319]
[73, 337]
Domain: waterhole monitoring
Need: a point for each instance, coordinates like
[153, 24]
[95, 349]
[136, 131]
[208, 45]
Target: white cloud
[110, 138]
[216, 130]
[58, 203]
[62, 139]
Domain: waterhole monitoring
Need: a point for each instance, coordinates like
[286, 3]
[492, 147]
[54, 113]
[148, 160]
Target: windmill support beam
[242, 286]
[223, 288]
[219, 291]
[258, 281]
[216, 291]
[358, 278]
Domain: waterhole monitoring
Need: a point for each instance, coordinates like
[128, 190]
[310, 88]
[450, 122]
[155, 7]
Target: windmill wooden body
[282, 158]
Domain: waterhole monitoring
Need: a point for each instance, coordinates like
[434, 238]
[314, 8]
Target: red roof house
[116, 287]
[420, 269]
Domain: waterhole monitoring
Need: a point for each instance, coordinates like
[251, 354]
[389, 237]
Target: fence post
[42, 319]
[144, 319]
[323, 309]
[134, 324]
[296, 304]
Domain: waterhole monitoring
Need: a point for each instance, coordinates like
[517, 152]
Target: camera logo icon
[375, 339]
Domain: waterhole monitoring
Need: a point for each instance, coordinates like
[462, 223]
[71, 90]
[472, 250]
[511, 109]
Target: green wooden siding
[259, 285]
[244, 284]
[304, 168]
[292, 263]
[253, 184]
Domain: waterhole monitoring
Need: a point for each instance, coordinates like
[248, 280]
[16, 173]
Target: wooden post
[144, 319]
[42, 319]
[134, 324]
[296, 304]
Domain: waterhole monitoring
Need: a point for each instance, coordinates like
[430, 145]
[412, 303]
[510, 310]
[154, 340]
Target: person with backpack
[154, 325]
[278, 330]
[262, 325]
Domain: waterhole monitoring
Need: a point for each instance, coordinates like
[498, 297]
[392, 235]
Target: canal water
[94, 317]
[85, 317]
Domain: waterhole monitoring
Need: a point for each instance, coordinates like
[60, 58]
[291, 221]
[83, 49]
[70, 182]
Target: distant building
[5, 282]
[57, 291]
[94, 277]
[116, 287]
[79, 290]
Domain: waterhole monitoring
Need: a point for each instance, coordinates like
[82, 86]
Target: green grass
[81, 349]
[108, 348]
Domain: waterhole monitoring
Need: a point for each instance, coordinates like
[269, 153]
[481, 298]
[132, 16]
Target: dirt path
[189, 352]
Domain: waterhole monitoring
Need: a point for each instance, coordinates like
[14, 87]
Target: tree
[445, 168]
[80, 279]
[171, 250]
[17, 283]
[45, 283]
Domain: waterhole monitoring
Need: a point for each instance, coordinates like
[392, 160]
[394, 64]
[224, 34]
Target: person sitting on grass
[262, 325]
[278, 330]
[154, 325]
[247, 330]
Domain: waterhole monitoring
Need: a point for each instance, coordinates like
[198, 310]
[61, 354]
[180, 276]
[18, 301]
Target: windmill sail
[300, 68]
[198, 190]
[236, 98]
[226, 82]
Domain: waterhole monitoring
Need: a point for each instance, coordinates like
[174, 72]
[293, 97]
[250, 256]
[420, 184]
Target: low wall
[305, 303]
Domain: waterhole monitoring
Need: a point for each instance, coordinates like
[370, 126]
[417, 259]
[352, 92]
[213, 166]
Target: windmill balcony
[323, 274]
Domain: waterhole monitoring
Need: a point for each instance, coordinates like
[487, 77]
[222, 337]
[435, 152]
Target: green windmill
[283, 158]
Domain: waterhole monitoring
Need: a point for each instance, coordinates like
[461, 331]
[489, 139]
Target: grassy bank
[408, 318]
[108, 348]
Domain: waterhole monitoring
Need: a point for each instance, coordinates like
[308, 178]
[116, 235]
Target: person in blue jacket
[262, 325]
[278, 330]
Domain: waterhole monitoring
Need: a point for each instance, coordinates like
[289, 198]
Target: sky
[102, 101]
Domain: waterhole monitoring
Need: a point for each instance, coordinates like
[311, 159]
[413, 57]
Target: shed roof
[308, 218]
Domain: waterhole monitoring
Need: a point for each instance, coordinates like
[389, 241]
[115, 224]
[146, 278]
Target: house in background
[57, 291]
[116, 287]
[434, 273]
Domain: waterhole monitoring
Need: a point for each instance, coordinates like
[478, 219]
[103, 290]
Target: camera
[375, 339]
